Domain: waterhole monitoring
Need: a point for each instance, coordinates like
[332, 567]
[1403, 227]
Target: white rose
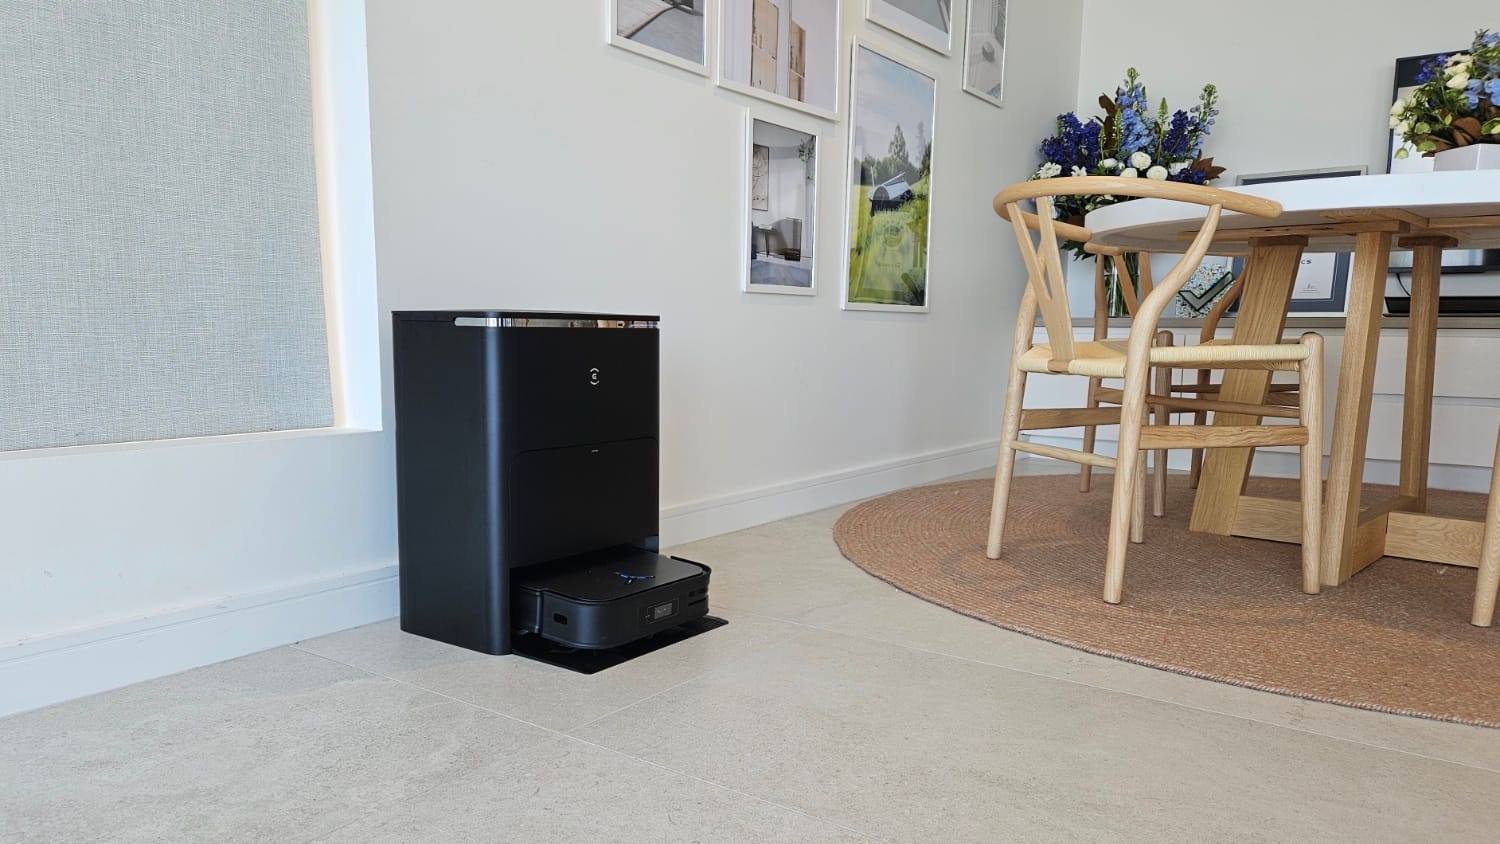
[1399, 107]
[1460, 58]
[1395, 121]
[1403, 128]
[1049, 170]
[1140, 161]
[1109, 164]
[1459, 81]
[1179, 166]
[1129, 173]
[1079, 171]
[1159, 173]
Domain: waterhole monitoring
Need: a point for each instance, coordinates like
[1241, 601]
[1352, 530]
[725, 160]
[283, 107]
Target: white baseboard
[690, 522]
[39, 672]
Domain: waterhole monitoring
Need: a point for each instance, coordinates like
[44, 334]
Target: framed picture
[927, 22]
[782, 187]
[671, 31]
[893, 107]
[1322, 284]
[984, 51]
[785, 51]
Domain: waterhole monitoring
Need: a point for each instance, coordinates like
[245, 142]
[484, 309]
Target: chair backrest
[1046, 282]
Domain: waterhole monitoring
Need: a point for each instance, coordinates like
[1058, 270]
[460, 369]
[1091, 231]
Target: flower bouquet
[1456, 102]
[1129, 140]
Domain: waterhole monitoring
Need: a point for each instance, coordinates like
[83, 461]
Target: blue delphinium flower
[1492, 88]
[1432, 68]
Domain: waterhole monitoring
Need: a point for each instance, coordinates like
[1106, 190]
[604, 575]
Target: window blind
[160, 273]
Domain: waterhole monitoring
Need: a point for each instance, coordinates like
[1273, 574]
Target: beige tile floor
[832, 708]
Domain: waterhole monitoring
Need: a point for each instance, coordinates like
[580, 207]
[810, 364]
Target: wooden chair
[1131, 360]
[1279, 395]
[1489, 554]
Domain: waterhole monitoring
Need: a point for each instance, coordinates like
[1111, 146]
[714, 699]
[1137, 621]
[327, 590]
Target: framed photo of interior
[781, 189]
[784, 51]
[670, 31]
[927, 22]
[892, 109]
[1322, 284]
[984, 51]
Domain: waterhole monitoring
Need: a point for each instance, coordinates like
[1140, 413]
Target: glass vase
[1114, 294]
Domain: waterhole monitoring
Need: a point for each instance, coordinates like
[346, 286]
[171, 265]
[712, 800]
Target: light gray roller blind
[159, 257]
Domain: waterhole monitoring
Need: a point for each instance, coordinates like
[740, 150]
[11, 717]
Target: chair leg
[1163, 417]
[1124, 503]
[1138, 508]
[1205, 377]
[1311, 416]
[1489, 555]
[1085, 471]
[1015, 392]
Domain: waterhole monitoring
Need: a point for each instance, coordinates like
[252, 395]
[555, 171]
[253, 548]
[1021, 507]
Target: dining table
[1425, 213]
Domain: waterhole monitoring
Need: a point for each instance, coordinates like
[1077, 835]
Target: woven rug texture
[1395, 638]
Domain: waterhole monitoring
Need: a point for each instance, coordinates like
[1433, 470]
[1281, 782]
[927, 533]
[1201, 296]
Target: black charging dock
[526, 477]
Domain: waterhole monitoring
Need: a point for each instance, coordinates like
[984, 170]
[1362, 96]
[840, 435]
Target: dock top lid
[530, 319]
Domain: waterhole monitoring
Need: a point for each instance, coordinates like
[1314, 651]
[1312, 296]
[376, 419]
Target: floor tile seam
[446, 697]
[1179, 704]
[572, 730]
[869, 836]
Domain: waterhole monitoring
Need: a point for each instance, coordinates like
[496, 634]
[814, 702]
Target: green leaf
[1427, 146]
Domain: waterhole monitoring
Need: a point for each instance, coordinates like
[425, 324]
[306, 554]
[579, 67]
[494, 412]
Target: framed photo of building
[984, 51]
[784, 51]
[670, 31]
[927, 22]
[893, 108]
[781, 177]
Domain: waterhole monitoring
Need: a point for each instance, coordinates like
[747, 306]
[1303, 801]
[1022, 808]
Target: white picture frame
[768, 235]
[986, 27]
[821, 54]
[902, 17]
[866, 120]
[623, 27]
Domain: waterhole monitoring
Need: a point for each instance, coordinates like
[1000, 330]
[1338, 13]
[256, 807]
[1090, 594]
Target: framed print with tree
[984, 51]
[927, 22]
[785, 51]
[893, 108]
[781, 176]
[670, 31]
[1322, 284]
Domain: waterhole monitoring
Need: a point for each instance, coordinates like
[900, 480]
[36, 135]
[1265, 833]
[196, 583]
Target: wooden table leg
[1342, 555]
[1269, 274]
[1421, 357]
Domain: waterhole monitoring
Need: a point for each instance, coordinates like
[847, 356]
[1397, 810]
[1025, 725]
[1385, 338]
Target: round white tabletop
[1460, 204]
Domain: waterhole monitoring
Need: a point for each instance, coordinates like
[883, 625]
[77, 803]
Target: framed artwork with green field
[892, 112]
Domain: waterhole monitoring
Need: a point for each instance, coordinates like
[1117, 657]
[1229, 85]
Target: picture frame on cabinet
[927, 22]
[779, 230]
[984, 50]
[888, 190]
[783, 51]
[1322, 285]
[674, 32]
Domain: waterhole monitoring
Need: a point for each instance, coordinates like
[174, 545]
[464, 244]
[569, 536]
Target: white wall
[123, 562]
[1303, 84]
[520, 171]
[522, 163]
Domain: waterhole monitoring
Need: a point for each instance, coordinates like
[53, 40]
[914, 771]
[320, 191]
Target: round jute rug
[1395, 638]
